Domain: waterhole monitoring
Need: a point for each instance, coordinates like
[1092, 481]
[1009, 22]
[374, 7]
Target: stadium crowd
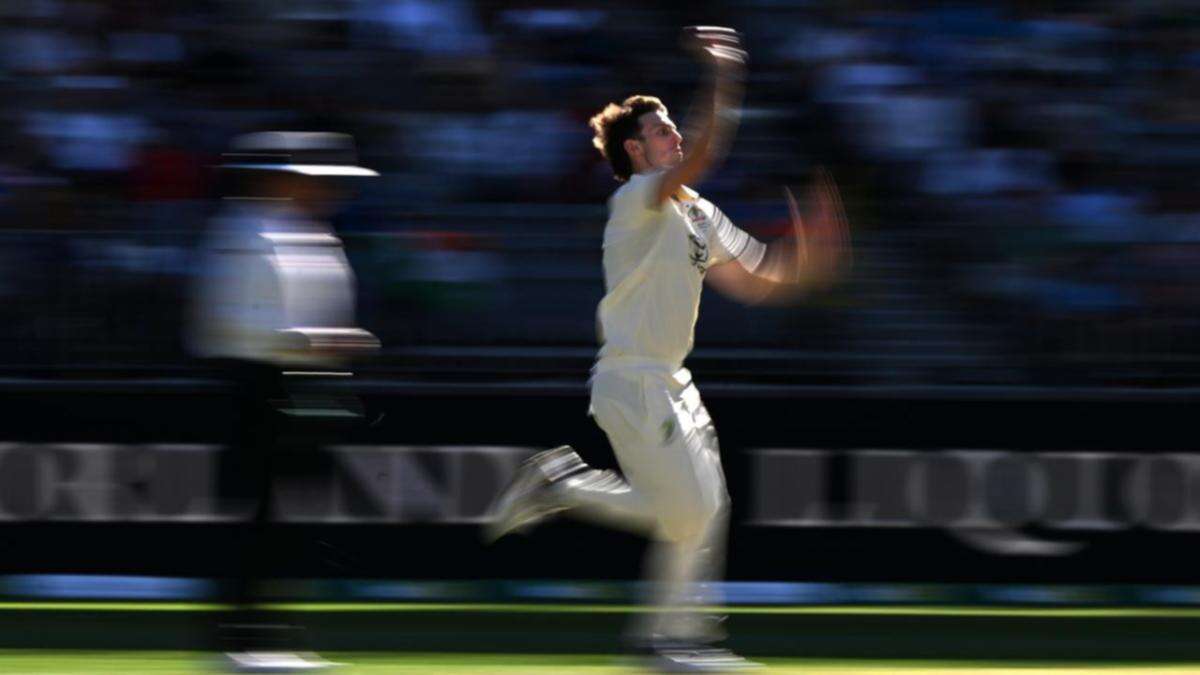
[1020, 179]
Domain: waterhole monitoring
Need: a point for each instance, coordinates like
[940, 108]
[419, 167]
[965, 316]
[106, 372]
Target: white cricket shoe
[529, 498]
[276, 662]
[699, 659]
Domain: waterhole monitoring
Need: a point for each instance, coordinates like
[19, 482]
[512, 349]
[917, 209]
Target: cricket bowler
[661, 241]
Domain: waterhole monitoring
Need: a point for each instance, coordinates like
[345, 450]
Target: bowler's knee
[693, 518]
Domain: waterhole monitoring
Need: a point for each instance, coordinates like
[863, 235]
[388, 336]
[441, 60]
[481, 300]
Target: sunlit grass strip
[108, 606]
[547, 608]
[845, 610]
[132, 662]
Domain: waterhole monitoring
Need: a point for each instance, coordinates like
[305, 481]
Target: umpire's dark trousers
[265, 446]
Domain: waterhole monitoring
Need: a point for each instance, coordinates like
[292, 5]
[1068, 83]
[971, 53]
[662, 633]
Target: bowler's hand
[720, 46]
[821, 233]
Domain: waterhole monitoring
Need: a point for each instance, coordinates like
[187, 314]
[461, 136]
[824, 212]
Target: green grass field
[121, 663]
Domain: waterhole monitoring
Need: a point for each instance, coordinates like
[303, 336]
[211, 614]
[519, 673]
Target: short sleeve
[632, 204]
[728, 241]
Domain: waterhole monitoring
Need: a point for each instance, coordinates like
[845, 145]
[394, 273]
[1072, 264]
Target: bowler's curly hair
[618, 123]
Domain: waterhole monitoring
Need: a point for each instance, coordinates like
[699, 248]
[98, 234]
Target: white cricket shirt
[265, 269]
[655, 257]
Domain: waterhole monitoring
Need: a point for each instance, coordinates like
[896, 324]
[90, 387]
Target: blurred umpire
[274, 312]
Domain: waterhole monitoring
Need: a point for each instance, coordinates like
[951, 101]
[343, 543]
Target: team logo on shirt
[668, 430]
[699, 243]
[699, 252]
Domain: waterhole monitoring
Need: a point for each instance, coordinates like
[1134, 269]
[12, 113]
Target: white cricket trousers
[673, 491]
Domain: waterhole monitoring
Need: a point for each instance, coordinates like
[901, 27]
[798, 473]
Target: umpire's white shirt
[655, 257]
[266, 269]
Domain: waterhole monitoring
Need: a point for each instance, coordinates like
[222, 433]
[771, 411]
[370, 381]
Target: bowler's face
[661, 141]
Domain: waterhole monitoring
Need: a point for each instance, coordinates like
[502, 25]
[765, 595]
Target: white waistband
[638, 364]
[610, 363]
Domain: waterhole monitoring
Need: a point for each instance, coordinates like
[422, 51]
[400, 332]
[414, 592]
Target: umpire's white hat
[309, 153]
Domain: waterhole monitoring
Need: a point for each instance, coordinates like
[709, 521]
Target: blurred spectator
[976, 140]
